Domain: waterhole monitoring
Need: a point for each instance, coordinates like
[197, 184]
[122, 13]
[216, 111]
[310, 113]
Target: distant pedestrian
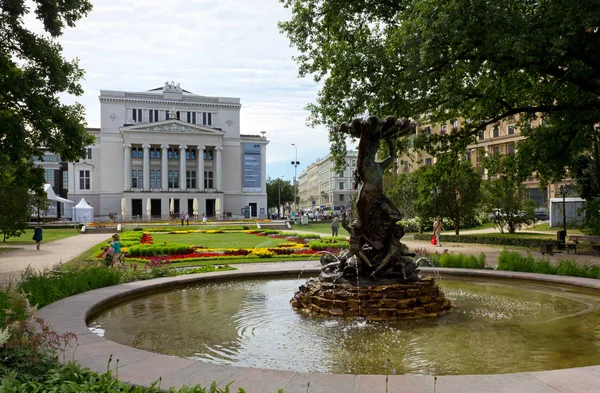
[182, 218]
[438, 227]
[37, 235]
[187, 219]
[335, 226]
[204, 218]
[115, 249]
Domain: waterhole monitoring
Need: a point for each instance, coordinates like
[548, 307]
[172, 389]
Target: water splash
[430, 263]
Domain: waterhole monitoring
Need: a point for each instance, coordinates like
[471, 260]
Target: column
[164, 171]
[219, 169]
[146, 162]
[127, 167]
[182, 167]
[200, 167]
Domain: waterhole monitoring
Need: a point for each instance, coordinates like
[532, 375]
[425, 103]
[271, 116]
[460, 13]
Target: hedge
[150, 250]
[499, 240]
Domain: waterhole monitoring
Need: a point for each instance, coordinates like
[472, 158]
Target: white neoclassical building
[167, 150]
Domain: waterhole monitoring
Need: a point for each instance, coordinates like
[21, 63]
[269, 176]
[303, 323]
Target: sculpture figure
[375, 246]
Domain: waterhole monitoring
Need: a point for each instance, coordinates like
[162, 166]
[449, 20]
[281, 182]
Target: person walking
[335, 226]
[115, 248]
[438, 227]
[182, 218]
[204, 218]
[187, 219]
[37, 235]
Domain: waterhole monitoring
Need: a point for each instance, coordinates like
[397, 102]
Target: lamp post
[434, 192]
[563, 191]
[295, 163]
[279, 198]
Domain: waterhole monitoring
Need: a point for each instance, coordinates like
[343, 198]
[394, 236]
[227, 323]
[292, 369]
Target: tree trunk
[457, 225]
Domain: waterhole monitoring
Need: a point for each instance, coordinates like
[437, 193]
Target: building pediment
[172, 126]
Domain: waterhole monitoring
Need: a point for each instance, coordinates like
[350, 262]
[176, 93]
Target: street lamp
[563, 190]
[279, 198]
[295, 163]
[434, 192]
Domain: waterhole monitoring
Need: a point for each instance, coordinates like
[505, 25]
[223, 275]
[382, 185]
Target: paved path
[62, 250]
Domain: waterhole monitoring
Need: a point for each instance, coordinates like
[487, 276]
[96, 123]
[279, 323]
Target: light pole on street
[295, 163]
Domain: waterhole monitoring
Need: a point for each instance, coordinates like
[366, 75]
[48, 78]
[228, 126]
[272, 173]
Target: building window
[455, 124]
[210, 119]
[208, 155]
[341, 174]
[511, 129]
[84, 180]
[480, 155]
[190, 179]
[194, 117]
[136, 178]
[443, 129]
[50, 158]
[353, 162]
[137, 152]
[511, 149]
[496, 150]
[49, 175]
[496, 131]
[427, 131]
[166, 115]
[65, 181]
[137, 115]
[190, 154]
[481, 135]
[406, 166]
[155, 178]
[152, 115]
[428, 161]
[341, 197]
[173, 179]
[173, 154]
[340, 185]
[468, 155]
[189, 117]
[208, 179]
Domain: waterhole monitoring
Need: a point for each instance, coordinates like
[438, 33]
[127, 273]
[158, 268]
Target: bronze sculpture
[375, 248]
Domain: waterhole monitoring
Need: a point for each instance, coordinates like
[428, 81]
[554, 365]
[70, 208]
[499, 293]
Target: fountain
[376, 278]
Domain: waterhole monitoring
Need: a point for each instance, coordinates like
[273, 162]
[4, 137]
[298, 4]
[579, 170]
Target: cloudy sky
[211, 47]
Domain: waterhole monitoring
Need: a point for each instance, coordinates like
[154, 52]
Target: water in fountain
[431, 264]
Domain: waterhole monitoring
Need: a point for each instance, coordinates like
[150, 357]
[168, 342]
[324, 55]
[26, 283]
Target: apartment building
[323, 188]
[499, 138]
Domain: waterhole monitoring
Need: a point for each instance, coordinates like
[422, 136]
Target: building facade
[163, 151]
[499, 138]
[321, 187]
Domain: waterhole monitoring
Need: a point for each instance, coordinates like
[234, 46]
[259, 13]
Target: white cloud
[211, 47]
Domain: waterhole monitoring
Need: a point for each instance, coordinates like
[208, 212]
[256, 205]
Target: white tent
[54, 200]
[83, 212]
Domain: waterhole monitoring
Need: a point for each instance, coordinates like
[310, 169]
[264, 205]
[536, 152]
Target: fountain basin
[144, 367]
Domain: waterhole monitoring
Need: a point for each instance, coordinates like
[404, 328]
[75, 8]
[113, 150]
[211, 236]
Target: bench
[583, 238]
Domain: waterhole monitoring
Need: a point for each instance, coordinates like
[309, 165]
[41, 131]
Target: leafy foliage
[515, 262]
[499, 240]
[505, 195]
[34, 74]
[472, 59]
[279, 191]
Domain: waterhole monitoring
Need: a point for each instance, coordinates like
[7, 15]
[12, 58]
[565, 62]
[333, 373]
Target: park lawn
[49, 235]
[545, 227]
[319, 227]
[218, 240]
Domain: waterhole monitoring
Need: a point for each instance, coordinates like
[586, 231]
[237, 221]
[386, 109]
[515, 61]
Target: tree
[473, 59]
[402, 190]
[279, 190]
[505, 196]
[451, 184]
[33, 75]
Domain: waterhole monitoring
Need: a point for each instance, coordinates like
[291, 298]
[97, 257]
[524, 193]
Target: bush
[461, 261]
[308, 236]
[515, 262]
[138, 229]
[320, 246]
[150, 250]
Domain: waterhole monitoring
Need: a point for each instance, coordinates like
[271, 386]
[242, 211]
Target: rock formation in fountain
[376, 262]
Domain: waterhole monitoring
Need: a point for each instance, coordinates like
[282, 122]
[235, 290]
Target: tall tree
[279, 191]
[450, 188]
[473, 59]
[33, 73]
[504, 194]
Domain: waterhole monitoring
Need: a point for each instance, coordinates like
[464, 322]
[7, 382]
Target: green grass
[319, 227]
[218, 240]
[545, 227]
[49, 235]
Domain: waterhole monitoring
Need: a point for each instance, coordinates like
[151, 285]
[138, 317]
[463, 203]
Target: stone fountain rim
[142, 367]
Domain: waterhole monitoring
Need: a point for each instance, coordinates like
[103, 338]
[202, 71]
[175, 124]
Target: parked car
[542, 214]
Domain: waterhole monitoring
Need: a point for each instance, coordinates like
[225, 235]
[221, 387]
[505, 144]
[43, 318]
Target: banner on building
[252, 168]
